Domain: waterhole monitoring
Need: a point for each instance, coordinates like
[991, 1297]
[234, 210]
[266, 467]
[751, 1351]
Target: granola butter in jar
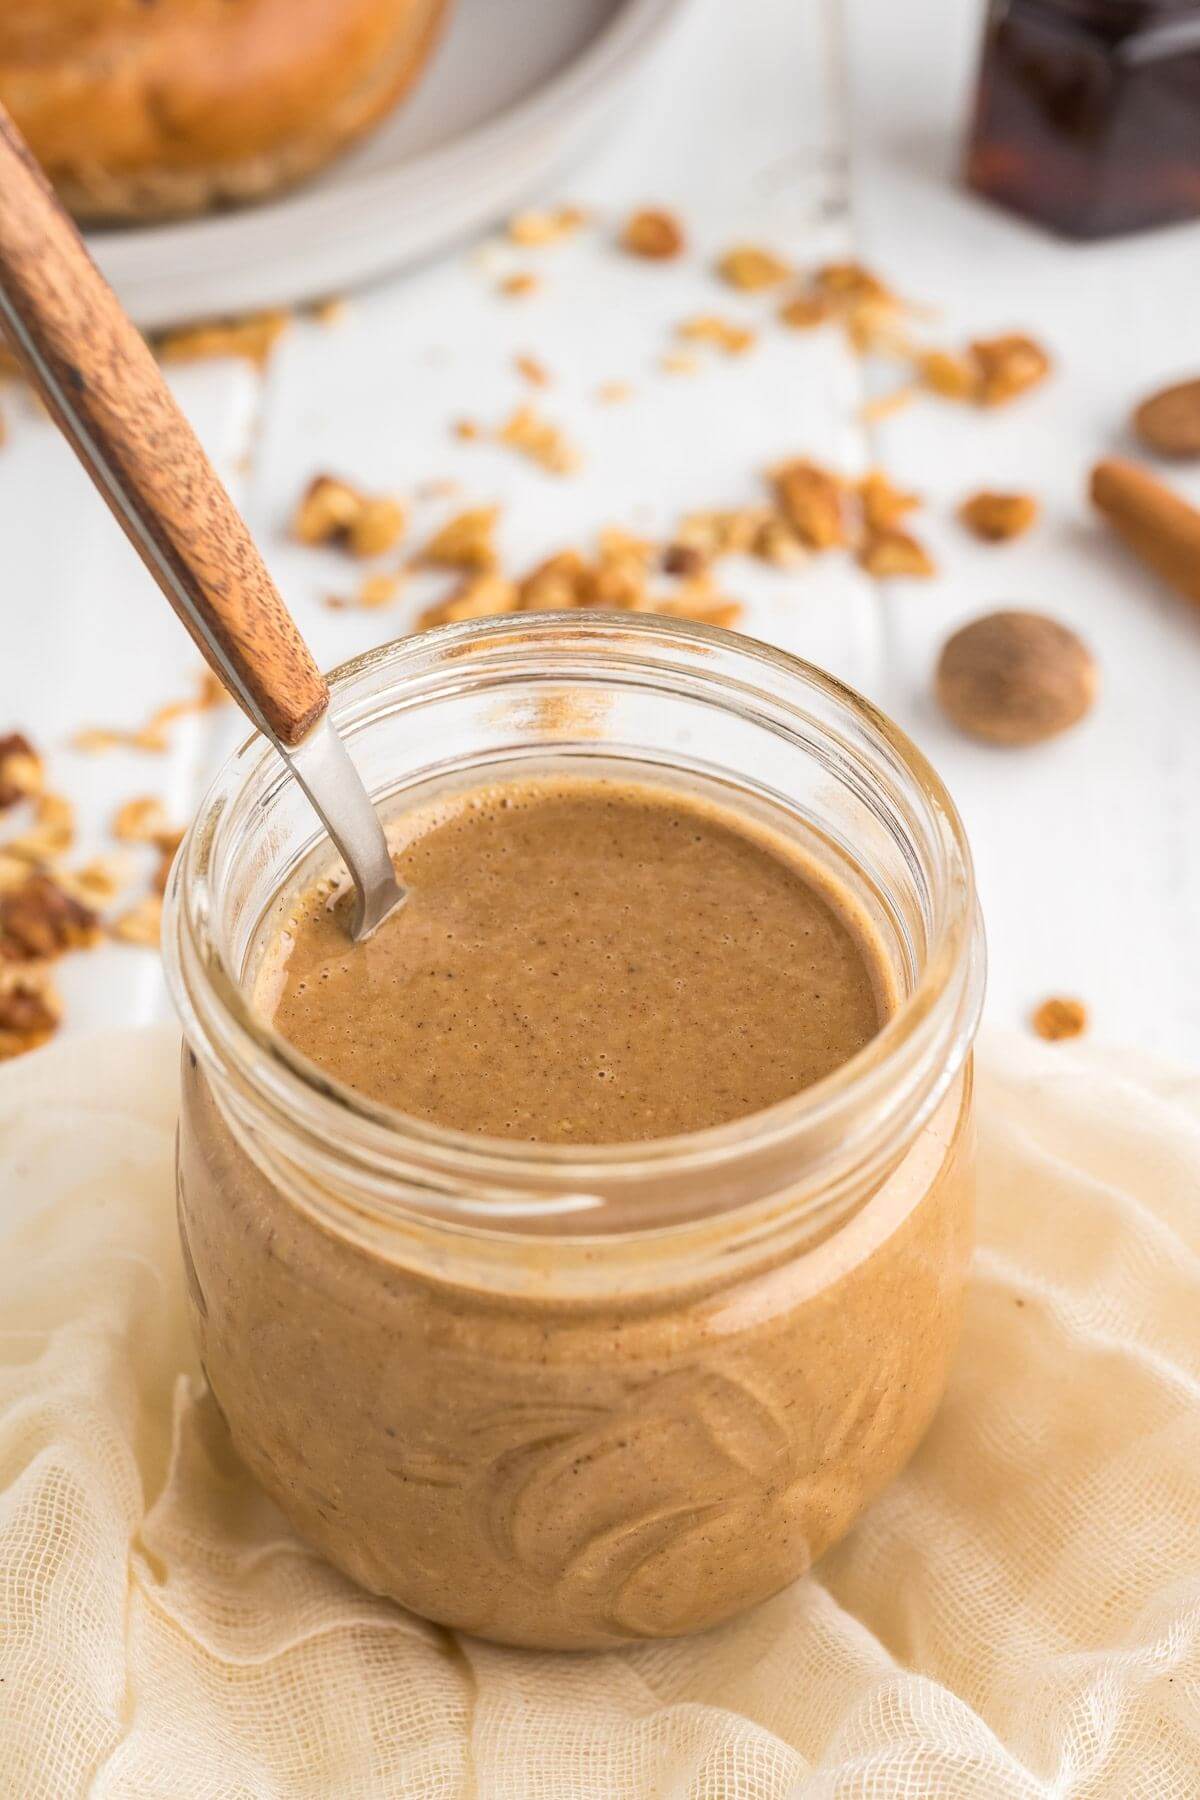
[629, 1358]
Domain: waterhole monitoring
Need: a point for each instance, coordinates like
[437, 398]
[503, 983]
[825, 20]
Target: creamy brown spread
[539, 1464]
[584, 961]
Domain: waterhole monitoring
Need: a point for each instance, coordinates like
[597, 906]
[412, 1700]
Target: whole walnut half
[1015, 678]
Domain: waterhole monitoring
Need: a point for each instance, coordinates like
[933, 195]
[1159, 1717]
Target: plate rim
[634, 29]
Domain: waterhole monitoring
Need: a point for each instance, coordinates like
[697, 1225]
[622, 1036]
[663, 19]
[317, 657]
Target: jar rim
[211, 1000]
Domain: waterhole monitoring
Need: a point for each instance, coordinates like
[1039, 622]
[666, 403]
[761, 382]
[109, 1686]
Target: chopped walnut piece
[21, 771]
[51, 834]
[557, 584]
[883, 504]
[467, 541]
[96, 883]
[708, 328]
[142, 924]
[1060, 1018]
[30, 1010]
[656, 235]
[326, 511]
[39, 921]
[534, 228]
[1008, 366]
[684, 559]
[378, 527]
[333, 512]
[723, 532]
[893, 552]
[618, 545]
[254, 337]
[750, 268]
[534, 372]
[776, 542]
[477, 598]
[535, 437]
[949, 373]
[803, 312]
[812, 501]
[140, 820]
[852, 281]
[997, 517]
[518, 286]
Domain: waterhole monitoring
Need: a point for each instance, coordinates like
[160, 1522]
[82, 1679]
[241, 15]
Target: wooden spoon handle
[106, 393]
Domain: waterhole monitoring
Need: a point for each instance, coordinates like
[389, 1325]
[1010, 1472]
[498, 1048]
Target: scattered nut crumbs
[1060, 1018]
[21, 772]
[883, 504]
[532, 229]
[535, 372]
[892, 552]
[812, 501]
[152, 735]
[141, 924]
[331, 511]
[679, 362]
[653, 234]
[709, 328]
[254, 337]
[517, 286]
[612, 393]
[142, 820]
[467, 541]
[998, 517]
[948, 373]
[372, 592]
[96, 883]
[542, 442]
[39, 921]
[30, 1010]
[1008, 366]
[51, 834]
[804, 312]
[618, 578]
[467, 430]
[751, 268]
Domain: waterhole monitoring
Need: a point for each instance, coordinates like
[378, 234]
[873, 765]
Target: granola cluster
[51, 904]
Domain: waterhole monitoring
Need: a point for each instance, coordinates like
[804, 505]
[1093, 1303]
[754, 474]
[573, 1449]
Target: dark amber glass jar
[1088, 113]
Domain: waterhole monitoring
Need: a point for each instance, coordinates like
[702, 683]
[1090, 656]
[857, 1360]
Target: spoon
[104, 391]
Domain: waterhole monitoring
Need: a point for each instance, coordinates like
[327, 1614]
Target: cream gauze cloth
[1018, 1616]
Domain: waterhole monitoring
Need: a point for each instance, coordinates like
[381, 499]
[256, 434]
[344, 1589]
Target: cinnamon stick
[1160, 528]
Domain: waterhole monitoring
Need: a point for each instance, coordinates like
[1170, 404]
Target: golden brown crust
[150, 110]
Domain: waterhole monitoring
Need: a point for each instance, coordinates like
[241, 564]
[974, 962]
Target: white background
[1087, 849]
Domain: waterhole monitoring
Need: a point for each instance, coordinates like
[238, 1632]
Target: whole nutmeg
[1015, 678]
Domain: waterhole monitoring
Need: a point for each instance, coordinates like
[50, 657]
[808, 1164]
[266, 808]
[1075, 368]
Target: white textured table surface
[1088, 850]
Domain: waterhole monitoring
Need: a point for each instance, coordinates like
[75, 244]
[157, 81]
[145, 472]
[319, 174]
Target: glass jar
[1088, 113]
[570, 1396]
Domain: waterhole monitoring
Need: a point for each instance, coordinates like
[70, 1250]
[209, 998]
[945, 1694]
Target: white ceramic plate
[516, 88]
